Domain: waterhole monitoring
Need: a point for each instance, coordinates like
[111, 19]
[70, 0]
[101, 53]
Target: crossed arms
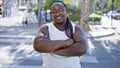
[70, 47]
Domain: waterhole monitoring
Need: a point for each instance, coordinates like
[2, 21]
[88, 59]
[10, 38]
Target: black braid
[69, 29]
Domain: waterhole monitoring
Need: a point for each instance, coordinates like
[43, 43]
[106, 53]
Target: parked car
[117, 16]
[114, 15]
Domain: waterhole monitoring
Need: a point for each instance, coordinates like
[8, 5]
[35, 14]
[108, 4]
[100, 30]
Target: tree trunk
[86, 7]
[39, 12]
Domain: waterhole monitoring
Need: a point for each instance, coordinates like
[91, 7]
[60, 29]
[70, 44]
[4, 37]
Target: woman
[61, 42]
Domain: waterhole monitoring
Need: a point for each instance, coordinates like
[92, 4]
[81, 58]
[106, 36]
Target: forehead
[58, 5]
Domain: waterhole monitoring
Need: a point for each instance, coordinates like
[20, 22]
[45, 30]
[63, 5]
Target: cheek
[53, 16]
[65, 12]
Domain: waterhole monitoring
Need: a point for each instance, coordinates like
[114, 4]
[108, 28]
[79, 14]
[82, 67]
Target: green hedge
[74, 18]
[98, 12]
[35, 9]
[95, 17]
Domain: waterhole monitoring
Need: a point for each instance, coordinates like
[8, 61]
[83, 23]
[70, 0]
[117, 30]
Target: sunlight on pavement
[12, 21]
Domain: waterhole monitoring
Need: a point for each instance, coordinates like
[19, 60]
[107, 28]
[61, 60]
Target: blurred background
[20, 21]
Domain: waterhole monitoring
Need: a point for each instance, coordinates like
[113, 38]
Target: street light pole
[112, 13]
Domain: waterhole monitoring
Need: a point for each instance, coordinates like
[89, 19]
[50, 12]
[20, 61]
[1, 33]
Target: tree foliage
[48, 4]
[117, 4]
[69, 4]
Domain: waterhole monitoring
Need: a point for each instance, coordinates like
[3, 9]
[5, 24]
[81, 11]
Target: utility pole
[94, 7]
[112, 13]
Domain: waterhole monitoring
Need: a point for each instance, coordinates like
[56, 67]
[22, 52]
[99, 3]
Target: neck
[61, 27]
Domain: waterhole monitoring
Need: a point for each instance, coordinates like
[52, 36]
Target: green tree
[109, 5]
[48, 4]
[117, 4]
[69, 4]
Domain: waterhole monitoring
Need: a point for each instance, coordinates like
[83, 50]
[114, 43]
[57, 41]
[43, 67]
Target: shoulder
[43, 31]
[79, 34]
[44, 28]
[80, 31]
[78, 28]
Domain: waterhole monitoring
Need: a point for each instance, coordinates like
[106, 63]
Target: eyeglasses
[55, 12]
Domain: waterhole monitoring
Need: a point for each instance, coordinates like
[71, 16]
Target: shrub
[74, 18]
[98, 12]
[95, 17]
[35, 9]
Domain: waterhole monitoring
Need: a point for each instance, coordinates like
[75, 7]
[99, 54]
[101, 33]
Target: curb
[102, 33]
[18, 36]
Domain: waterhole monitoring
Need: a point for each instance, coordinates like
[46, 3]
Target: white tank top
[51, 60]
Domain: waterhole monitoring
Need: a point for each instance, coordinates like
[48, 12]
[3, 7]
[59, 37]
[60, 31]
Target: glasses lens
[59, 11]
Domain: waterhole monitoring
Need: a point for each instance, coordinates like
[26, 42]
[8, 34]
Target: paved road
[19, 53]
[106, 52]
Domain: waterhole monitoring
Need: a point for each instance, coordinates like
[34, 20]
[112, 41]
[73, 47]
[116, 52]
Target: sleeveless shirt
[51, 60]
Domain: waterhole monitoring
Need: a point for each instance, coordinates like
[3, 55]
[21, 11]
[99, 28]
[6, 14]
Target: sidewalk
[108, 27]
[8, 25]
[11, 21]
[99, 31]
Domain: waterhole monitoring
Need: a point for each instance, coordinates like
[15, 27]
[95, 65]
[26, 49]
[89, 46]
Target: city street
[16, 47]
[104, 52]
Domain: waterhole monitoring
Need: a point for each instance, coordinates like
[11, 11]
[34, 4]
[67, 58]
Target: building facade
[11, 7]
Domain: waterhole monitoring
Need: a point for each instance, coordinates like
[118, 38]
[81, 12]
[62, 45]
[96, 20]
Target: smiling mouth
[59, 17]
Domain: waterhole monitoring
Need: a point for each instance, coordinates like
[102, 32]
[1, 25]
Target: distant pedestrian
[48, 16]
[24, 21]
[43, 16]
[61, 42]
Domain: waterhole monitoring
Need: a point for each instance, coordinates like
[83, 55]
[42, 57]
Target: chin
[59, 22]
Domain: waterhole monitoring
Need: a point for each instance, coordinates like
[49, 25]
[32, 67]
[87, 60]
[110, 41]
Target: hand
[66, 43]
[69, 42]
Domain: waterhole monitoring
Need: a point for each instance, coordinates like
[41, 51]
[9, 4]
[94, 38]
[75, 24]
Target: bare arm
[78, 48]
[42, 43]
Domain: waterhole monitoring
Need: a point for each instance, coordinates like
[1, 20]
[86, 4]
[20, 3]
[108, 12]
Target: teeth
[58, 17]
